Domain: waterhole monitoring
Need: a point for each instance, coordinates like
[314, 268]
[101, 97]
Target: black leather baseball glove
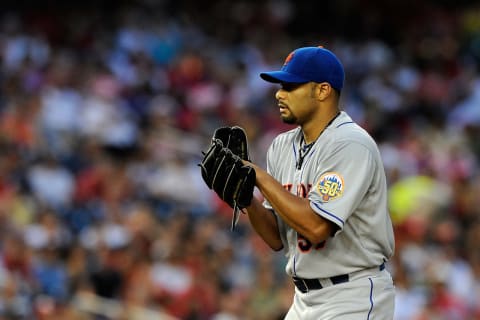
[235, 139]
[224, 172]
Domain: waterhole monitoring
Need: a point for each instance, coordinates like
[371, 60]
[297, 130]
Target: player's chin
[288, 119]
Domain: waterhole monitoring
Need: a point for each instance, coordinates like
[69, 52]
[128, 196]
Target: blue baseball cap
[309, 64]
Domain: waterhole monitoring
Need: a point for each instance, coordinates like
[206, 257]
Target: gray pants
[369, 295]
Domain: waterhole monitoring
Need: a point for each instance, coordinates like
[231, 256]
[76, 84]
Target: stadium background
[106, 105]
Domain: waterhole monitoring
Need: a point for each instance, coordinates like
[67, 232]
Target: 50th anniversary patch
[330, 186]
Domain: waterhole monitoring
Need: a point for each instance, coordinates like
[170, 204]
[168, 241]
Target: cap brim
[282, 76]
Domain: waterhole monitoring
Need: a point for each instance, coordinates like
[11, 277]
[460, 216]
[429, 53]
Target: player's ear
[322, 90]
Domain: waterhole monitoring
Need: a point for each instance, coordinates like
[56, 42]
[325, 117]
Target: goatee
[289, 120]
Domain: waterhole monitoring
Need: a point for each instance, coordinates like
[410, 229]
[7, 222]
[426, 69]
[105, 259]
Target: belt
[305, 285]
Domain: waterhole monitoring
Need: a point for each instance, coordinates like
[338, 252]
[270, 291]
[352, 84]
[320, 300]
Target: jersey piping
[329, 214]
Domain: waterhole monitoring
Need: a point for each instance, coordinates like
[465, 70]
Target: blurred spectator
[51, 183]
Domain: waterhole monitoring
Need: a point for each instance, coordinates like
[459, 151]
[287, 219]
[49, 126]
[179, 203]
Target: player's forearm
[265, 224]
[295, 211]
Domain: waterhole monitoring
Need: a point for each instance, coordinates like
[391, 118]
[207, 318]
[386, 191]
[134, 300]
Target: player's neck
[313, 129]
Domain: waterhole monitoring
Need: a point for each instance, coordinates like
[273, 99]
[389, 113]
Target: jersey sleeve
[341, 181]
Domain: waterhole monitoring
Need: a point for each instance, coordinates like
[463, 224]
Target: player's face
[296, 102]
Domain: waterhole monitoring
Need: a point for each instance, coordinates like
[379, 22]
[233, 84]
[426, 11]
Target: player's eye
[288, 86]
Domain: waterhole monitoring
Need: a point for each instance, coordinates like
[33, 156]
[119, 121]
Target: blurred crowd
[105, 109]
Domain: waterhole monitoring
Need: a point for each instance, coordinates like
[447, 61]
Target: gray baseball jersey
[343, 177]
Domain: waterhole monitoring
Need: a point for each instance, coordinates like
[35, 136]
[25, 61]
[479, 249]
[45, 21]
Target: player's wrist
[260, 174]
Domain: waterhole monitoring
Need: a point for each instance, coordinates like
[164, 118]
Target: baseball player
[325, 197]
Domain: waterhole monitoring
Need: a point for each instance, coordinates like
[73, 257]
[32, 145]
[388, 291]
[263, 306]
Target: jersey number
[305, 245]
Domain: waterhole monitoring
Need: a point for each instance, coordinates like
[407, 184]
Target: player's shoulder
[345, 129]
[284, 140]
[345, 125]
[287, 136]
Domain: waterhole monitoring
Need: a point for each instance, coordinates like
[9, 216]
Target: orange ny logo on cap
[288, 58]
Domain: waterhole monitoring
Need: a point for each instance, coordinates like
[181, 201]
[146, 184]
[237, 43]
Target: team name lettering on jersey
[302, 189]
[303, 244]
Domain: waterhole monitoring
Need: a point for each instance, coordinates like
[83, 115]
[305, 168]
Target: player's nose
[280, 94]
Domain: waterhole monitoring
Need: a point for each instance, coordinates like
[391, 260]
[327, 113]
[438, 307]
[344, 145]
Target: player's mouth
[282, 107]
